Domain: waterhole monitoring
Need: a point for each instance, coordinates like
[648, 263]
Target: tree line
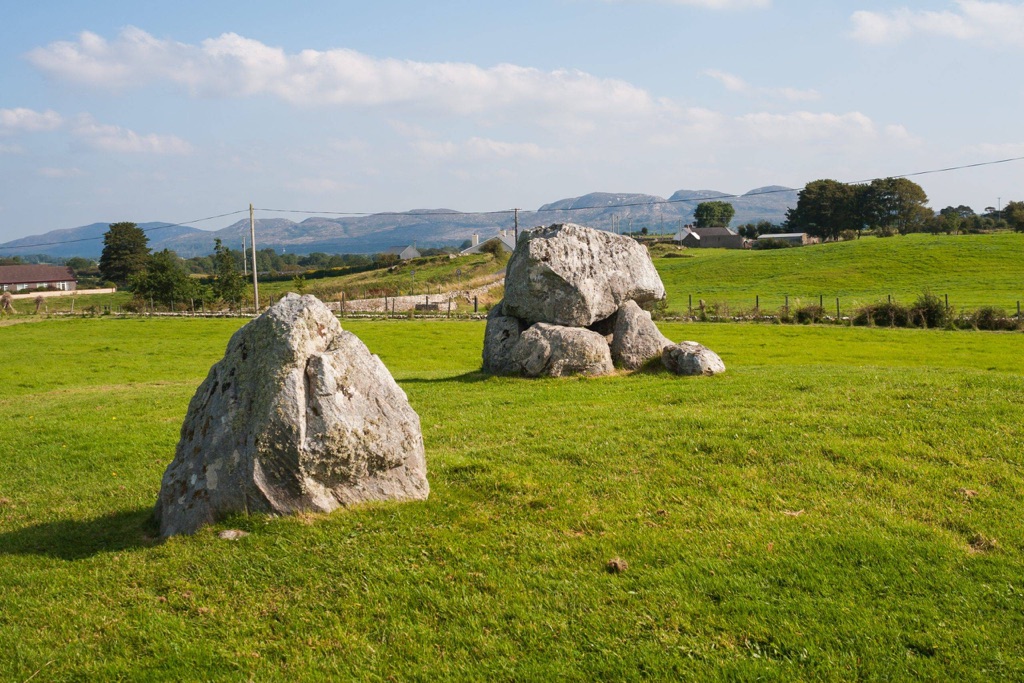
[832, 210]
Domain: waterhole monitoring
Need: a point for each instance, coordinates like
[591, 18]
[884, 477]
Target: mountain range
[424, 227]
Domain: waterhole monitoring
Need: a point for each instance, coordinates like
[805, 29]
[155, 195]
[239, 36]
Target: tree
[1013, 212]
[895, 203]
[228, 283]
[713, 214]
[80, 265]
[825, 208]
[165, 280]
[125, 252]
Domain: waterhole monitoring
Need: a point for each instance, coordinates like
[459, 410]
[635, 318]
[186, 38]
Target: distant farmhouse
[404, 253]
[709, 238]
[505, 240]
[20, 278]
[797, 239]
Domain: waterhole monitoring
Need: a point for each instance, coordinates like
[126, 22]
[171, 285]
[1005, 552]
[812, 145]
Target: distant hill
[425, 227]
[86, 240]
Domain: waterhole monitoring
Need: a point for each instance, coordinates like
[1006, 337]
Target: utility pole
[255, 281]
[516, 213]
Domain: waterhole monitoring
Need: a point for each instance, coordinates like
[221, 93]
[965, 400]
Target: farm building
[506, 240]
[797, 239]
[22, 277]
[404, 253]
[709, 238]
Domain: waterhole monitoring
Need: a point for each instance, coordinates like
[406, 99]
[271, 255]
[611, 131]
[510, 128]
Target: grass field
[974, 270]
[842, 503]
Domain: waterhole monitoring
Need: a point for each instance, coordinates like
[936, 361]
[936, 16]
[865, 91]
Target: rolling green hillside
[975, 270]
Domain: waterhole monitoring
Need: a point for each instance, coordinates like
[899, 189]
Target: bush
[992, 318]
[887, 231]
[886, 314]
[657, 308]
[929, 311]
[847, 235]
[809, 314]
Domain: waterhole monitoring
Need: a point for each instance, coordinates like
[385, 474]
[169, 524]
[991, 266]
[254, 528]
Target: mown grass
[974, 270]
[807, 515]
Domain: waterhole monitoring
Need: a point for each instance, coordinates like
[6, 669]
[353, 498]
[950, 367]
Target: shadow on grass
[77, 539]
[465, 378]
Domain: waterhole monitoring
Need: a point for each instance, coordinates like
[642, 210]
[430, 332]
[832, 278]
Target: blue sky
[146, 111]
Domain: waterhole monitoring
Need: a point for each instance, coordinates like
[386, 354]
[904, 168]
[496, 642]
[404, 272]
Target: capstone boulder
[297, 416]
[570, 275]
[690, 358]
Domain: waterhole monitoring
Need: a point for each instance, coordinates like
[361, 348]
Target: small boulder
[297, 416]
[635, 337]
[566, 274]
[555, 351]
[500, 338]
[690, 358]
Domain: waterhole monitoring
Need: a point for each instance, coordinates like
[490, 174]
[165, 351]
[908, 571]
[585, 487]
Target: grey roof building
[709, 238]
[404, 253]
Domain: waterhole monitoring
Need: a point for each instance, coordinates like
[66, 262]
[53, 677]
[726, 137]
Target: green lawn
[810, 514]
[974, 270]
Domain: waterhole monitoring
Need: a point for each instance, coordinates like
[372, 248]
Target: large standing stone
[557, 351]
[500, 338]
[690, 358]
[566, 274]
[636, 339]
[297, 416]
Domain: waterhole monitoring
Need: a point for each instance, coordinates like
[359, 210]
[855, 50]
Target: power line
[630, 204]
[448, 212]
[944, 170]
[421, 212]
[153, 229]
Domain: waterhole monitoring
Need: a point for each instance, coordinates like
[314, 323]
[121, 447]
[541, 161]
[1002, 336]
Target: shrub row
[928, 311]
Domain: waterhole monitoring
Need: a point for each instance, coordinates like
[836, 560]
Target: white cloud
[1003, 150]
[50, 172]
[731, 82]
[734, 83]
[808, 126]
[481, 149]
[234, 66]
[11, 149]
[109, 138]
[989, 22]
[28, 120]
